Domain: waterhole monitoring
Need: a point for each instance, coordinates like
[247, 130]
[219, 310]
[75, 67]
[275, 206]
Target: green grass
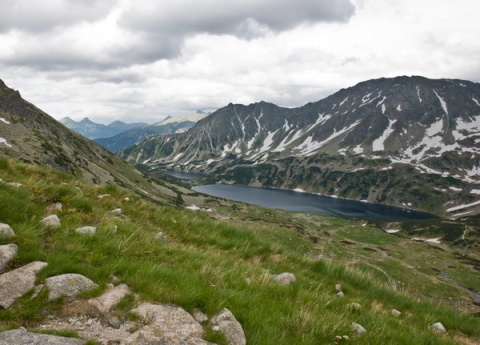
[205, 264]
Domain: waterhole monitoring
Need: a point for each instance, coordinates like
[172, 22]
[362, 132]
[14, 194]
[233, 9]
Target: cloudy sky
[142, 60]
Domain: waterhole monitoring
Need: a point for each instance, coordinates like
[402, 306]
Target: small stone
[359, 329]
[338, 287]
[284, 278]
[114, 279]
[115, 322]
[338, 337]
[396, 313]
[126, 198]
[14, 184]
[248, 280]
[161, 237]
[230, 327]
[37, 291]
[199, 316]
[355, 306]
[51, 221]
[438, 327]
[346, 337]
[340, 294]
[103, 196]
[215, 328]
[6, 230]
[8, 252]
[116, 211]
[86, 230]
[54, 207]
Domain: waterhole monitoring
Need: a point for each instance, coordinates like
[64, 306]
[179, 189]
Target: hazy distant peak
[190, 117]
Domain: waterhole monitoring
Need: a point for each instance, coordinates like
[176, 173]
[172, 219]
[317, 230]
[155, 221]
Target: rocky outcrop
[68, 285]
[110, 298]
[15, 283]
[22, 337]
[8, 252]
[167, 324]
[226, 323]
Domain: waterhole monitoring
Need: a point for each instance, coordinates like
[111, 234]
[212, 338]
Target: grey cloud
[35, 16]
[222, 17]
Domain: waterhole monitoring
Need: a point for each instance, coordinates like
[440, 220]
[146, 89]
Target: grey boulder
[68, 285]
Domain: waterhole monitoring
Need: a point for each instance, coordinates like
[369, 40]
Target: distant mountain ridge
[406, 141]
[168, 125]
[92, 130]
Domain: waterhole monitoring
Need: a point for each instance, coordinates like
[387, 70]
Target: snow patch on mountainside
[4, 141]
[358, 150]
[378, 144]
[418, 95]
[442, 102]
[5, 121]
[322, 118]
[289, 139]
[461, 207]
[465, 129]
[309, 145]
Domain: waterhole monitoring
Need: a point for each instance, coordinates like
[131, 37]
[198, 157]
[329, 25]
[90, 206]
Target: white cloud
[128, 60]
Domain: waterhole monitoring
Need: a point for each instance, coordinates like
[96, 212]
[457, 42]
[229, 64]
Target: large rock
[51, 221]
[226, 323]
[22, 337]
[6, 230]
[8, 252]
[110, 298]
[68, 285]
[15, 283]
[284, 278]
[167, 324]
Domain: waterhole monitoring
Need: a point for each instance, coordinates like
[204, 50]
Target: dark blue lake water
[184, 175]
[305, 202]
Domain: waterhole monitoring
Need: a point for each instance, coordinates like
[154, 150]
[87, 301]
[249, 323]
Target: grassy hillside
[225, 258]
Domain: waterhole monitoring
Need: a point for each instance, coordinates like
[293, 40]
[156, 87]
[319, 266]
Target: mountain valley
[406, 141]
[182, 258]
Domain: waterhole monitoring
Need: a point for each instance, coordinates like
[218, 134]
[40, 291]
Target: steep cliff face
[364, 142]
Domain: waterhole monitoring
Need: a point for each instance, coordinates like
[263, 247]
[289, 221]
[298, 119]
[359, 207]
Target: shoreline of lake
[301, 201]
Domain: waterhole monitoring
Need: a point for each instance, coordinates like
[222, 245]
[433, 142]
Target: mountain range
[167, 126]
[405, 141]
[92, 130]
